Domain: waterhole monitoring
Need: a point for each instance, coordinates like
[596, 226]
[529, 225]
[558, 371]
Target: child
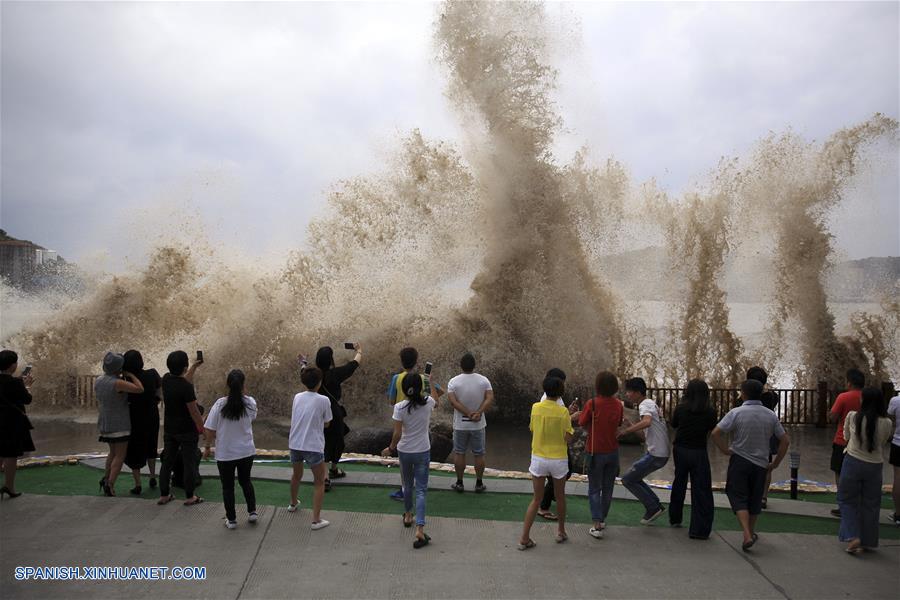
[310, 415]
[551, 427]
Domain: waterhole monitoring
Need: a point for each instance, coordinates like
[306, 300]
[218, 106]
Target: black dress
[331, 389]
[15, 427]
[144, 411]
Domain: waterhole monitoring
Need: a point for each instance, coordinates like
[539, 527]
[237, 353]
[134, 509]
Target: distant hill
[647, 274]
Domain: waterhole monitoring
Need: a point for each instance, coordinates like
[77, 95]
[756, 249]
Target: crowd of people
[128, 397]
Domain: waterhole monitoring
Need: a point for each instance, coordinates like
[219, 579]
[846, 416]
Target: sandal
[561, 537]
[336, 473]
[165, 499]
[420, 542]
[196, 500]
[747, 545]
[529, 544]
[546, 514]
[855, 547]
[327, 485]
[407, 523]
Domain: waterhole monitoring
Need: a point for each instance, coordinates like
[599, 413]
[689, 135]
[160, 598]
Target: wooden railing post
[822, 420]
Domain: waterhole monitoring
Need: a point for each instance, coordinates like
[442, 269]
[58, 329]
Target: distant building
[18, 260]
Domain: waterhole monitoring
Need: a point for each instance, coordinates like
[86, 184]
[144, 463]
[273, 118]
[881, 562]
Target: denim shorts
[310, 458]
[469, 439]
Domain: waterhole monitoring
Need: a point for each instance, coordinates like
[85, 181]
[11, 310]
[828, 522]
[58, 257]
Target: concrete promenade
[371, 556]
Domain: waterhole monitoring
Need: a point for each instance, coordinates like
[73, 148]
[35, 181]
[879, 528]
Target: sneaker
[293, 507]
[458, 486]
[398, 495]
[894, 518]
[652, 516]
[835, 512]
[596, 533]
[320, 524]
[253, 517]
[479, 487]
[230, 524]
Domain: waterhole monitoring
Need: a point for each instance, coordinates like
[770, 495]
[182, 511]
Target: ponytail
[234, 407]
[412, 384]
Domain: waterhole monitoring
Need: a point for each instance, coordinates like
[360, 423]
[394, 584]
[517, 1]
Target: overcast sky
[119, 118]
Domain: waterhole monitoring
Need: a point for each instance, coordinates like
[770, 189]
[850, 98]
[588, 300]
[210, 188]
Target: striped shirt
[751, 425]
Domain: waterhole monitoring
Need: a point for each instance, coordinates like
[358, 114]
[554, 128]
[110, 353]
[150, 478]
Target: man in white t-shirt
[894, 413]
[310, 415]
[470, 395]
[657, 439]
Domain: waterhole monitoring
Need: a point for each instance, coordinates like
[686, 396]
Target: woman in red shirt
[601, 417]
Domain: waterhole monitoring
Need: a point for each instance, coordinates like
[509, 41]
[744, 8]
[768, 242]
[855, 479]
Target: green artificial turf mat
[68, 480]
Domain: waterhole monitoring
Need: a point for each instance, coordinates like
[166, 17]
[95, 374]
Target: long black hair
[412, 387]
[234, 407]
[696, 396]
[134, 363]
[872, 408]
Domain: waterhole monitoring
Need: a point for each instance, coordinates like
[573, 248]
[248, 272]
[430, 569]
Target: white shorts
[557, 468]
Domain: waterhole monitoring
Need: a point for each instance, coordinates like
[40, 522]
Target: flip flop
[547, 515]
[851, 549]
[529, 544]
[199, 500]
[419, 543]
[561, 537]
[165, 499]
[407, 523]
[747, 545]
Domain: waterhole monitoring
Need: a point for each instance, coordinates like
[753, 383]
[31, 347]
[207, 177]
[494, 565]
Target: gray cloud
[247, 112]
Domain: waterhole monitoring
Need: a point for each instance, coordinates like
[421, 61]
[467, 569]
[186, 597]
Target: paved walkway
[509, 486]
[370, 556]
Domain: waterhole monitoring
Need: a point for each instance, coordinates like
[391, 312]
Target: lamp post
[794, 460]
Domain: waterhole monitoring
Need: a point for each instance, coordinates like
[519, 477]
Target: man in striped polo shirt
[751, 425]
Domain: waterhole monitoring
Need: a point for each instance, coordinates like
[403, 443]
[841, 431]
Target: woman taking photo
[332, 378]
[15, 428]
[412, 419]
[114, 420]
[143, 409]
[230, 424]
[867, 432]
[693, 421]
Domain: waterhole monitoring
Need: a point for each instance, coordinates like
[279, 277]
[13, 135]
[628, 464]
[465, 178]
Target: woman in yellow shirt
[551, 427]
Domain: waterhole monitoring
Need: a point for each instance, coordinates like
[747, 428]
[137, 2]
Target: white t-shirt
[469, 389]
[657, 435]
[894, 411]
[558, 400]
[308, 417]
[234, 439]
[416, 423]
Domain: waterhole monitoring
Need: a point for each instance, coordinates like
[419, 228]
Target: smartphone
[199, 356]
[349, 346]
[428, 366]
[26, 371]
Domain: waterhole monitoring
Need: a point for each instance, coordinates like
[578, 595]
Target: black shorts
[895, 455]
[114, 440]
[746, 485]
[837, 457]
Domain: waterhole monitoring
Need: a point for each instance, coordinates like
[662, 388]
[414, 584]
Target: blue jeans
[859, 496]
[414, 472]
[633, 480]
[601, 481]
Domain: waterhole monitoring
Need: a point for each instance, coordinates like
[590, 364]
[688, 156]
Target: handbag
[588, 457]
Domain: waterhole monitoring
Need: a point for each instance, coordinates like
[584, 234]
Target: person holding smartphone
[332, 378]
[114, 421]
[15, 427]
